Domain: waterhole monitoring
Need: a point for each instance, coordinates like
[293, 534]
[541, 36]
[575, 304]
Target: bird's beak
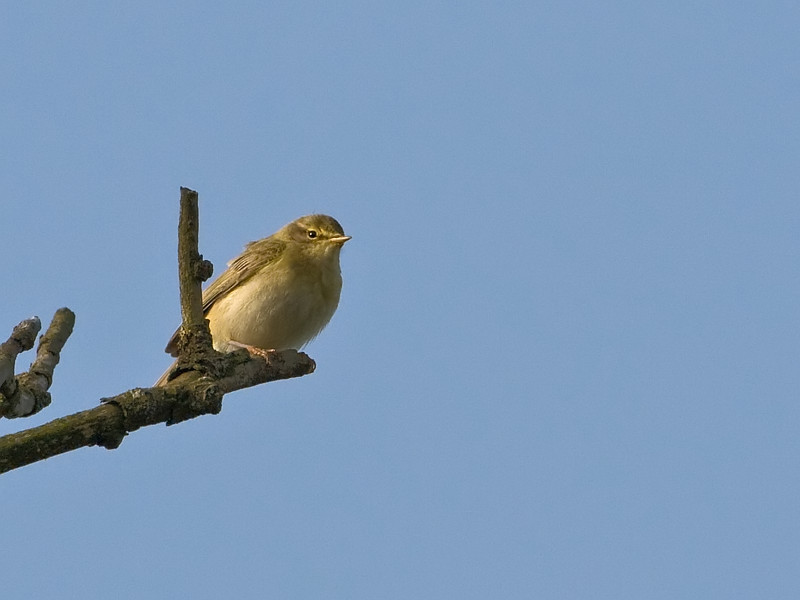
[339, 239]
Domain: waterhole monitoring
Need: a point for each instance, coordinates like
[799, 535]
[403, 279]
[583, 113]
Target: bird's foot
[254, 351]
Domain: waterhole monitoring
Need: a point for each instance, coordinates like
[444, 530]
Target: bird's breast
[276, 310]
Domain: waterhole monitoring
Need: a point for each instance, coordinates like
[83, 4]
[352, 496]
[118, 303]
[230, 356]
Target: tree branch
[195, 350]
[27, 394]
[195, 387]
[22, 338]
[189, 396]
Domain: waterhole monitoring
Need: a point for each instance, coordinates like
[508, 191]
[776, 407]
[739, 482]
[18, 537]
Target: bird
[279, 293]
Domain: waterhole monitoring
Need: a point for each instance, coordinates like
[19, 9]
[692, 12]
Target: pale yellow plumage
[280, 292]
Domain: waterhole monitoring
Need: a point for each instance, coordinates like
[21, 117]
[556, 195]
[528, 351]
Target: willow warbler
[279, 293]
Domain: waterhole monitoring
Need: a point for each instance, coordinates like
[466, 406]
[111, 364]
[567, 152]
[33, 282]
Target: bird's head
[316, 235]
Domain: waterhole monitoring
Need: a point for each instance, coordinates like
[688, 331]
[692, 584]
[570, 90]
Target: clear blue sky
[565, 363]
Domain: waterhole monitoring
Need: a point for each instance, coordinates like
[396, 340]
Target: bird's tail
[163, 379]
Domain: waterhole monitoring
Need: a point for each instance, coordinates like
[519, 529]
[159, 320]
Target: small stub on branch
[204, 269]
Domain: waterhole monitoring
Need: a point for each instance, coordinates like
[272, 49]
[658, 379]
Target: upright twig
[192, 269]
[195, 351]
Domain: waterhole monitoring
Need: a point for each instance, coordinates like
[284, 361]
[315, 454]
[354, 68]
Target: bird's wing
[256, 255]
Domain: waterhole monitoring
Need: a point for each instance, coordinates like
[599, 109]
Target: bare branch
[186, 397]
[50, 345]
[195, 349]
[22, 338]
[198, 382]
[28, 394]
[192, 269]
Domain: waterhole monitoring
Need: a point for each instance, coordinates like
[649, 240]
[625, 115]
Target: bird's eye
[312, 233]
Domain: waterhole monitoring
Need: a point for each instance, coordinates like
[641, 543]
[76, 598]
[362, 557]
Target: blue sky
[565, 362]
